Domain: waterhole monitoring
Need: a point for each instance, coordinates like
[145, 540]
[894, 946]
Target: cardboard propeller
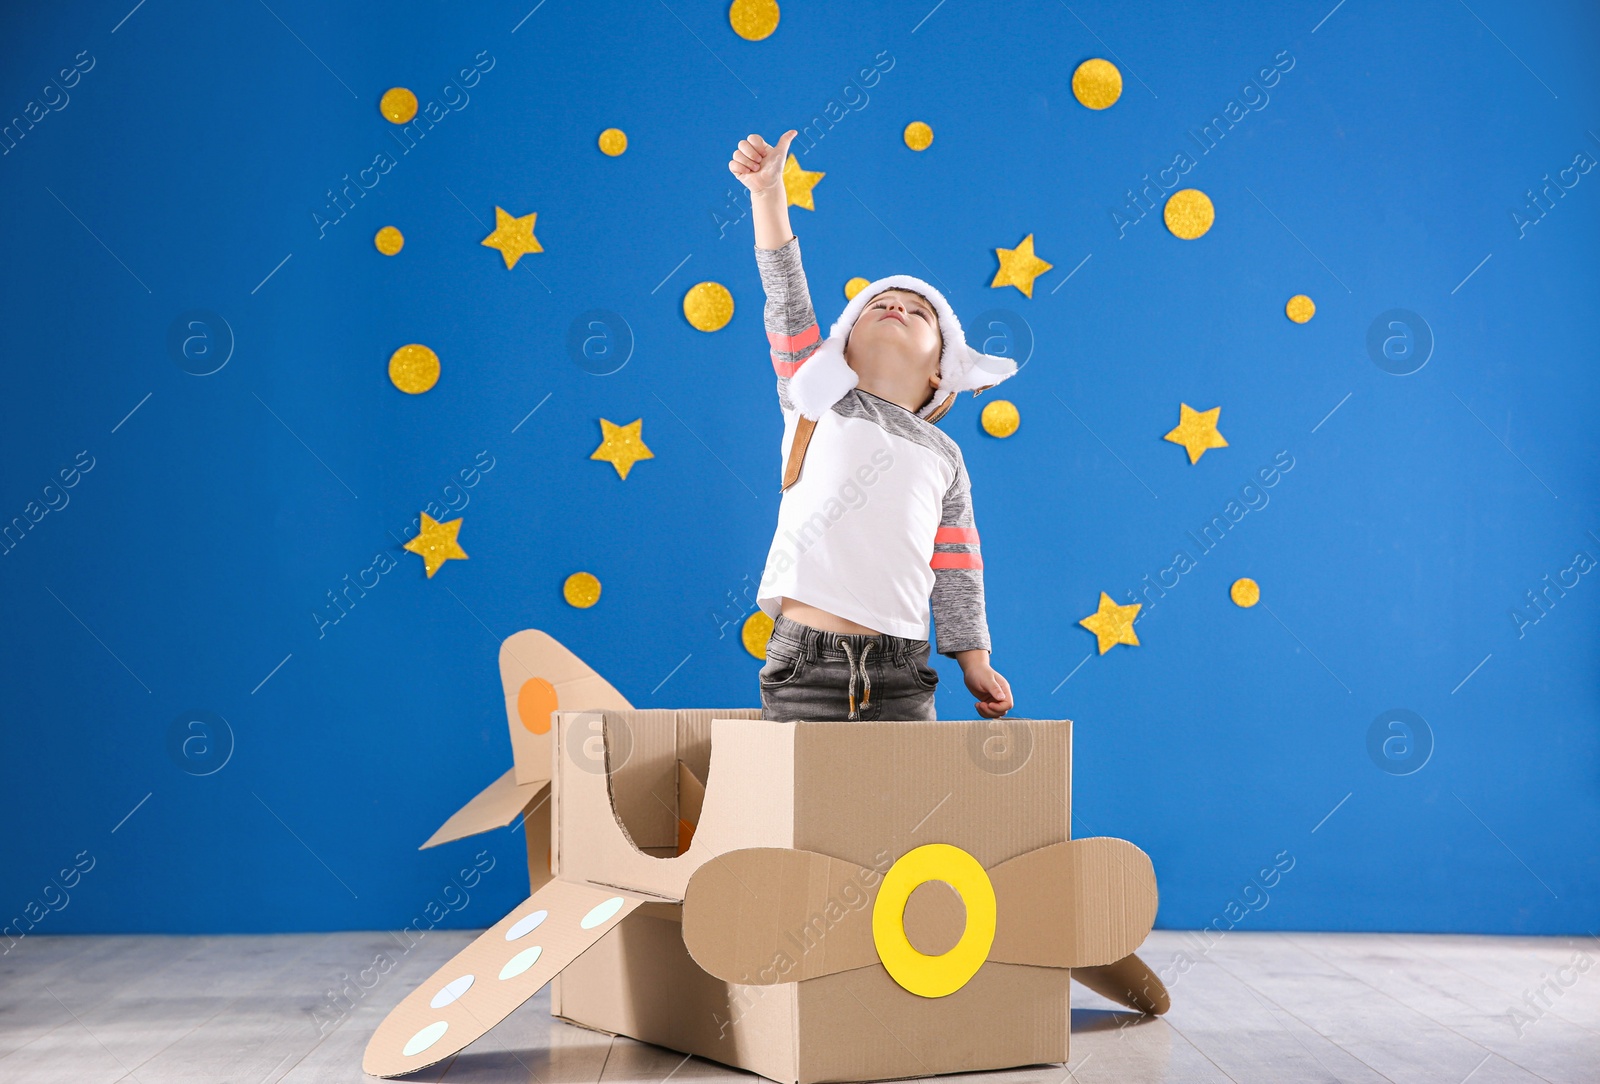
[765, 915]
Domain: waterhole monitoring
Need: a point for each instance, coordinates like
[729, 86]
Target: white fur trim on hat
[824, 377]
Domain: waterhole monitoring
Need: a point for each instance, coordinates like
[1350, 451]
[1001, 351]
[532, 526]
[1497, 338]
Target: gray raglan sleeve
[791, 322]
[959, 616]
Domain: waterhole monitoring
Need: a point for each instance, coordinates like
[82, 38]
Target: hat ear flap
[993, 368]
[822, 379]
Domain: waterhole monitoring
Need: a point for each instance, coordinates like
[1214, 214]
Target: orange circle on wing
[535, 701]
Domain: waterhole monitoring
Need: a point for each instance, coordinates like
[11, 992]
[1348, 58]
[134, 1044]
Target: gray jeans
[814, 675]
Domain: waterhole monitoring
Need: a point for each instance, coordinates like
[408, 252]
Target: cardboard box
[778, 897]
[862, 792]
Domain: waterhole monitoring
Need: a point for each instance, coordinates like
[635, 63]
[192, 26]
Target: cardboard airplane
[814, 901]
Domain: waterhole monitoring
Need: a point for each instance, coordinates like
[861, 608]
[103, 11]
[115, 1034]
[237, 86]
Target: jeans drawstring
[855, 710]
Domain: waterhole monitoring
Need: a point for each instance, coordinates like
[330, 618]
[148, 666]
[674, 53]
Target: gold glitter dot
[753, 20]
[708, 306]
[855, 286]
[414, 368]
[1300, 308]
[756, 632]
[613, 141]
[1245, 592]
[1189, 213]
[398, 105]
[1000, 418]
[581, 589]
[389, 241]
[918, 136]
[1097, 83]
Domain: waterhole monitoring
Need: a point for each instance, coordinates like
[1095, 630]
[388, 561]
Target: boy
[876, 517]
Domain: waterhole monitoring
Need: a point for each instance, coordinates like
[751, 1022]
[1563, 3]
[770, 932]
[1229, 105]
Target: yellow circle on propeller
[924, 975]
[613, 141]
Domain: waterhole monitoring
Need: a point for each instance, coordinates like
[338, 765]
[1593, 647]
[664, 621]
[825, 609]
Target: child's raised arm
[791, 321]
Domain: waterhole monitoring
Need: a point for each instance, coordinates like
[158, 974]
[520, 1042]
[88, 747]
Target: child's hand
[992, 690]
[758, 166]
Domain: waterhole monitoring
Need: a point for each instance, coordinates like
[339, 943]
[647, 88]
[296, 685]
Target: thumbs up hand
[757, 164]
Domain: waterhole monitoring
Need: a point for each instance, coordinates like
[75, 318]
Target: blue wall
[189, 562]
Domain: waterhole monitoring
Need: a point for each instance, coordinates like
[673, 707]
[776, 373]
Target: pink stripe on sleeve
[792, 343]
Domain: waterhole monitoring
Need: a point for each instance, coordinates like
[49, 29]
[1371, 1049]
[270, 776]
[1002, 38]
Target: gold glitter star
[623, 446]
[798, 183]
[1197, 431]
[1112, 624]
[436, 543]
[513, 236]
[1019, 266]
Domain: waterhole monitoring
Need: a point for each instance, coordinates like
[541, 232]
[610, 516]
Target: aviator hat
[825, 376]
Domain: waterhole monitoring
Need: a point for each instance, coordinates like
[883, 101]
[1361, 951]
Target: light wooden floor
[1257, 1007]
